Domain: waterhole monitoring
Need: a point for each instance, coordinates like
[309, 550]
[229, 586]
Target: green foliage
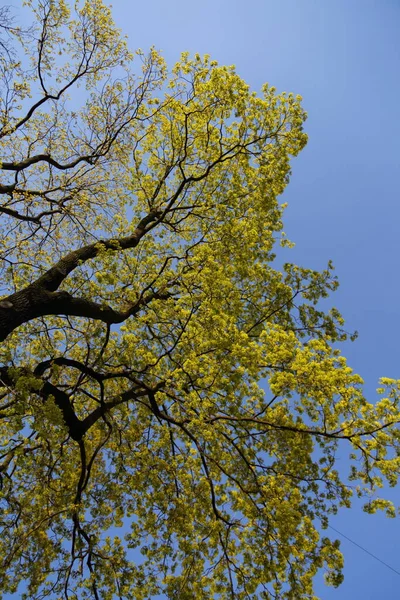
[158, 373]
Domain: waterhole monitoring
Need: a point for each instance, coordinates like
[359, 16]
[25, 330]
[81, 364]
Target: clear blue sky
[343, 57]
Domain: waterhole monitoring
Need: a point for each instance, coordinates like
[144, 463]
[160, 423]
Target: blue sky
[343, 57]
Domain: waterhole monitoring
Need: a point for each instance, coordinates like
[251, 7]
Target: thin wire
[365, 550]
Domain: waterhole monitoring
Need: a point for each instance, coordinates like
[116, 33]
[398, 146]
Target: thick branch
[45, 365]
[65, 304]
[76, 427]
[46, 390]
[40, 298]
[34, 301]
[7, 189]
[13, 213]
[32, 160]
[53, 278]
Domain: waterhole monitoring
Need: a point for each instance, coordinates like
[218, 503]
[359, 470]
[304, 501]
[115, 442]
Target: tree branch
[45, 389]
[32, 160]
[53, 278]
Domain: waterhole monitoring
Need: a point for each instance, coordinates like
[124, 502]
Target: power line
[365, 550]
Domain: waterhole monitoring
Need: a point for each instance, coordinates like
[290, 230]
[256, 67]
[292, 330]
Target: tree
[158, 371]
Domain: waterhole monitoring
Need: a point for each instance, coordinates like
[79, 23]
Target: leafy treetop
[158, 372]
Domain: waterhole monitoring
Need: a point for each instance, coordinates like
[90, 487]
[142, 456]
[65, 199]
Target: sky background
[343, 57]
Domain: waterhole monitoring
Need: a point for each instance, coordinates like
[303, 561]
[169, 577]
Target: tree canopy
[171, 401]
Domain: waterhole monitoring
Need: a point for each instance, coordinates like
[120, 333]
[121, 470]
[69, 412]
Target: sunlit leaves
[159, 373]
